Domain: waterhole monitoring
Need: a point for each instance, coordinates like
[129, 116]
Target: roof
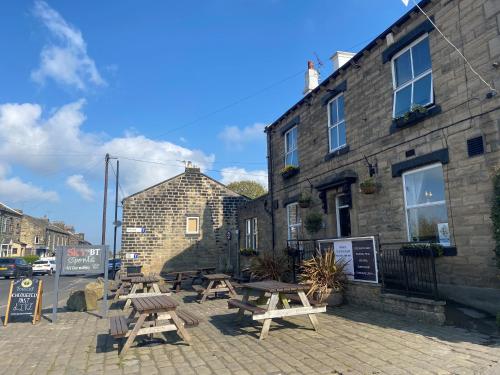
[177, 176]
[349, 63]
[4, 207]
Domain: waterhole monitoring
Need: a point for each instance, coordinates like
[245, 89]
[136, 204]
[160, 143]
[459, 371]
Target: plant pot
[304, 204]
[332, 298]
[371, 189]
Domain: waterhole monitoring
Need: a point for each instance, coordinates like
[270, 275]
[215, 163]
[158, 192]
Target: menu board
[87, 259]
[360, 255]
[25, 299]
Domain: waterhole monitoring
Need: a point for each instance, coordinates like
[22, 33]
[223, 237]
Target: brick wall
[259, 208]
[465, 113]
[162, 211]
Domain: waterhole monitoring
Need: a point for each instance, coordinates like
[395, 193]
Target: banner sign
[360, 255]
[25, 299]
[86, 259]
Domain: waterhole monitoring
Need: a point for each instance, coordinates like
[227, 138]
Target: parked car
[118, 264]
[14, 267]
[44, 267]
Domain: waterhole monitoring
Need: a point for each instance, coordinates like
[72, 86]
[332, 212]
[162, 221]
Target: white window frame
[255, 236]
[337, 211]
[197, 225]
[296, 149]
[430, 204]
[251, 233]
[414, 79]
[297, 225]
[336, 125]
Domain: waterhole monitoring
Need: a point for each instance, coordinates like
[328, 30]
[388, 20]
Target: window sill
[290, 173]
[414, 118]
[338, 152]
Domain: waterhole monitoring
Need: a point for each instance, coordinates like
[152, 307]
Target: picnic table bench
[177, 277]
[148, 285]
[278, 305]
[151, 315]
[217, 283]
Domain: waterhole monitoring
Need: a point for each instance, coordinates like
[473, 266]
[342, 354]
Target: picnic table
[217, 282]
[151, 315]
[180, 276]
[278, 305]
[143, 286]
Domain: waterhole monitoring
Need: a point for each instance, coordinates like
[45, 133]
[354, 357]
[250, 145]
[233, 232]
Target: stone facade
[10, 230]
[461, 111]
[41, 236]
[167, 210]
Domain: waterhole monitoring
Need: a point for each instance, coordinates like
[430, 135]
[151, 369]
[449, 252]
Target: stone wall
[465, 112]
[162, 210]
[30, 229]
[259, 208]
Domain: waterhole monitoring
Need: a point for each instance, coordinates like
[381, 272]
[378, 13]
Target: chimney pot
[311, 78]
[340, 58]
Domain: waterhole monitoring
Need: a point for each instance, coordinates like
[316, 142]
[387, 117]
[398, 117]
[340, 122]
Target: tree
[250, 189]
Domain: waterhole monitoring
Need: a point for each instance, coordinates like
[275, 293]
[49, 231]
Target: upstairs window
[192, 225]
[291, 152]
[251, 233]
[412, 77]
[336, 123]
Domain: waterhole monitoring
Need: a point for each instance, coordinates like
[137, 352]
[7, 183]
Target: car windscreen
[41, 262]
[6, 261]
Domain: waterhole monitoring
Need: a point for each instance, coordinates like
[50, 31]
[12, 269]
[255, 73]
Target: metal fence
[407, 270]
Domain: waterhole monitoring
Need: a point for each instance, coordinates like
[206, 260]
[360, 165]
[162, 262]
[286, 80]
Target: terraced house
[400, 143]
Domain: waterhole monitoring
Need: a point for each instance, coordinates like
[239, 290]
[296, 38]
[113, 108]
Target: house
[10, 222]
[400, 142]
[185, 222]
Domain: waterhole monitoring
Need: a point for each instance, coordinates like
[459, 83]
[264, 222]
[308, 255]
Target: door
[343, 216]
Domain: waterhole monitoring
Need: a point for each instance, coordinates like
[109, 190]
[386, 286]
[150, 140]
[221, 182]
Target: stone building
[408, 112]
[10, 230]
[181, 224]
[42, 236]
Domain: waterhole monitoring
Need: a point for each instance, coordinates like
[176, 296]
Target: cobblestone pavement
[351, 340]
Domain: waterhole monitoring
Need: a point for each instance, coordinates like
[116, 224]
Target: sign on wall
[131, 255]
[135, 230]
[25, 299]
[360, 256]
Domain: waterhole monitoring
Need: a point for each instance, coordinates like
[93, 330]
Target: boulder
[94, 291]
[76, 301]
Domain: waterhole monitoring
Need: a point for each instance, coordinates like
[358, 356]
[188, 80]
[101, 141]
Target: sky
[154, 84]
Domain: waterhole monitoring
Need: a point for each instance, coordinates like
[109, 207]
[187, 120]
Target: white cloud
[65, 59]
[78, 184]
[58, 144]
[235, 137]
[14, 190]
[232, 174]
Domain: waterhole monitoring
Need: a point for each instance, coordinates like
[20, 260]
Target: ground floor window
[251, 233]
[343, 215]
[293, 220]
[425, 204]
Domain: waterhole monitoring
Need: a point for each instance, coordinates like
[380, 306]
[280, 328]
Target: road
[66, 285]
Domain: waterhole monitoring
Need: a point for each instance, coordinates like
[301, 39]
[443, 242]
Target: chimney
[191, 168]
[340, 58]
[312, 78]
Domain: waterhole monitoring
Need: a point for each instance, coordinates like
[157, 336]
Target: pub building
[400, 145]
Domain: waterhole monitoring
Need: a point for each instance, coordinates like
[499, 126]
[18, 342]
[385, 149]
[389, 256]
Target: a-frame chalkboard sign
[25, 299]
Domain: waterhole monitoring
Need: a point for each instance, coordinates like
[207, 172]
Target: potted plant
[368, 186]
[289, 171]
[267, 266]
[415, 113]
[326, 277]
[305, 200]
[247, 252]
[313, 222]
[422, 249]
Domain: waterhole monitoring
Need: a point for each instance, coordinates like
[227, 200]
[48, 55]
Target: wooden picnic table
[278, 305]
[217, 282]
[194, 274]
[143, 286]
[151, 315]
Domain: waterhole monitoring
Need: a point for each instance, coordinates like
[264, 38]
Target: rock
[76, 301]
[94, 291]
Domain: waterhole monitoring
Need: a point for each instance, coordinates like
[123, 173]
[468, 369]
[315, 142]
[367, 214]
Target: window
[412, 77]
[251, 233]
[426, 213]
[343, 216]
[37, 240]
[336, 123]
[192, 225]
[294, 222]
[291, 152]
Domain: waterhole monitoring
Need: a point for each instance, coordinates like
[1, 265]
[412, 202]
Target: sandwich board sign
[25, 300]
[81, 260]
[359, 254]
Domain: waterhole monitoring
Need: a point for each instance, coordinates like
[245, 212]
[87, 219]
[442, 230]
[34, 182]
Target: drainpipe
[270, 184]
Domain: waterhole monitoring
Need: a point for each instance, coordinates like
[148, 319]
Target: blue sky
[162, 81]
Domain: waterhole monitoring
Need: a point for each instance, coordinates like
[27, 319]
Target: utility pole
[105, 201]
[116, 216]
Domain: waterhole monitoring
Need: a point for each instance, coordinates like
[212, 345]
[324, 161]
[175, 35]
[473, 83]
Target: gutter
[270, 184]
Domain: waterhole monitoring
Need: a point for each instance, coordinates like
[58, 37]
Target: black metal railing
[406, 269]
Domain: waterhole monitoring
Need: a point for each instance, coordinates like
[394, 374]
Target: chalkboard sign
[78, 260]
[25, 299]
[359, 254]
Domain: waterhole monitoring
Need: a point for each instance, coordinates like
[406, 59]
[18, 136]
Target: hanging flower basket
[305, 200]
[369, 186]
